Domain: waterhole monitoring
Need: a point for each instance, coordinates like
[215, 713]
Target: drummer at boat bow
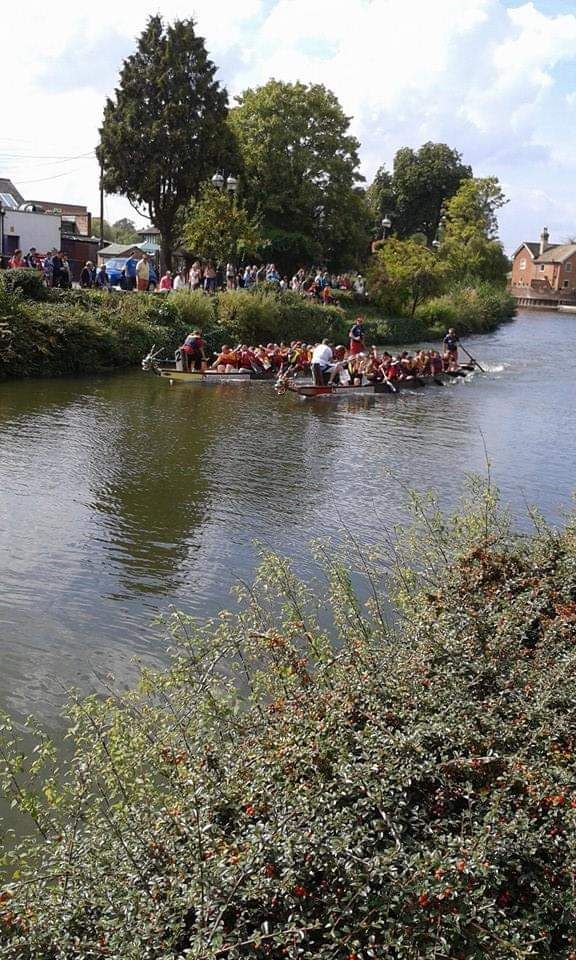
[194, 351]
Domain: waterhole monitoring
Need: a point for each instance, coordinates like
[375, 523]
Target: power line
[55, 177]
[49, 157]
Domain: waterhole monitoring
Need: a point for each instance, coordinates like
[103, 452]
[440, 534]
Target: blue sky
[496, 80]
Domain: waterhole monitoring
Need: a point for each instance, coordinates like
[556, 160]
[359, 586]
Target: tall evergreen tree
[165, 132]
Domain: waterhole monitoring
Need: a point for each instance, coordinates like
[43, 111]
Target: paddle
[470, 357]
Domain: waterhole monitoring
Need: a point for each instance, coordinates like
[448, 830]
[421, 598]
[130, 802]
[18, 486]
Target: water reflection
[121, 495]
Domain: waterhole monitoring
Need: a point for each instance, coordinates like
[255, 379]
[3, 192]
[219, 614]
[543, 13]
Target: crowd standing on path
[139, 273]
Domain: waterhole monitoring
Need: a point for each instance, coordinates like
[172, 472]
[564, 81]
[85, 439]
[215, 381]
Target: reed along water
[121, 496]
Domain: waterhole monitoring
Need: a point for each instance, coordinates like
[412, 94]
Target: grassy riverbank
[46, 333]
[343, 787]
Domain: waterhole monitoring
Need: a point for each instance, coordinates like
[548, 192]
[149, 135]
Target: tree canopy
[218, 227]
[121, 231]
[403, 273]
[469, 243]
[164, 132]
[415, 193]
[300, 170]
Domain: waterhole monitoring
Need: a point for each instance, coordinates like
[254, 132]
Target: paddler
[226, 361]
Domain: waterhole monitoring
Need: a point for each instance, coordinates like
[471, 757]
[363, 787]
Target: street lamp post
[386, 224]
[1, 234]
[230, 183]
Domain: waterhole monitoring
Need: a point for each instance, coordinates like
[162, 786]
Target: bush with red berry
[339, 786]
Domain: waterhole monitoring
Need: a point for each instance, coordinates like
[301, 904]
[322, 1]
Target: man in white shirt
[321, 360]
[143, 273]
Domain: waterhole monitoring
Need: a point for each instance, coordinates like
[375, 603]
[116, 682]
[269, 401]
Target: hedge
[88, 330]
[311, 780]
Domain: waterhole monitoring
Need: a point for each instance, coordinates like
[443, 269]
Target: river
[121, 495]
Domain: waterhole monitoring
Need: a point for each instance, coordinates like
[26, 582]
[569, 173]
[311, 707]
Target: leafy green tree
[300, 170]
[220, 228]
[125, 231]
[469, 244]
[164, 132]
[403, 273]
[422, 182]
[108, 233]
[381, 198]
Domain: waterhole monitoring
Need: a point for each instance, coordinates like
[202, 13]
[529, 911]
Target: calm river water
[120, 495]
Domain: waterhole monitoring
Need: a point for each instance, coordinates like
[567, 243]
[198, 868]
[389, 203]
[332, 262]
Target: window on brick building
[568, 267]
[523, 264]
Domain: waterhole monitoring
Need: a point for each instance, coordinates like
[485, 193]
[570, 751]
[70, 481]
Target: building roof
[65, 209]
[148, 231]
[557, 253]
[7, 187]
[118, 249]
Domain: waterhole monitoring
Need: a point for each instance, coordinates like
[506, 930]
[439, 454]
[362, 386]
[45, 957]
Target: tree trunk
[166, 242]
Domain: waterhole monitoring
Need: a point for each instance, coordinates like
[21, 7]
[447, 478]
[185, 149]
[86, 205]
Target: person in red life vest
[194, 351]
[356, 338]
[247, 359]
[16, 262]
[166, 281]
[226, 361]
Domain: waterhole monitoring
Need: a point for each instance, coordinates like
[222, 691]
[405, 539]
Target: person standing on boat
[356, 338]
[194, 351]
[451, 342]
[321, 363]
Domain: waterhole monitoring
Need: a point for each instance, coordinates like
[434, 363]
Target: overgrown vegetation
[308, 780]
[46, 333]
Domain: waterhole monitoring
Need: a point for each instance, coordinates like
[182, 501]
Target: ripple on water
[120, 496]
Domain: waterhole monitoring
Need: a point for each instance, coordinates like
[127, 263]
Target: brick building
[544, 268]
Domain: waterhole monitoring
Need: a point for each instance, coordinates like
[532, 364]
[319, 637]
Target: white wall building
[24, 229]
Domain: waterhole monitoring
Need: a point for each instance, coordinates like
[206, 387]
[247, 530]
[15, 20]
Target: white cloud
[480, 74]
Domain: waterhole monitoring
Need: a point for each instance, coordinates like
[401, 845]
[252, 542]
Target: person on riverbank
[17, 262]
[356, 338]
[180, 281]
[32, 259]
[102, 278]
[143, 273]
[130, 269]
[166, 282]
[87, 275]
[210, 278]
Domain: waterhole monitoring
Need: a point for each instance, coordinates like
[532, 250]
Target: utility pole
[101, 205]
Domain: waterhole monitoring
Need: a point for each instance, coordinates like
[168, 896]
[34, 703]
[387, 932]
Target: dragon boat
[388, 387]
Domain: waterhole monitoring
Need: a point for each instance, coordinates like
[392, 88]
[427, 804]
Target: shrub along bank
[44, 333]
[366, 792]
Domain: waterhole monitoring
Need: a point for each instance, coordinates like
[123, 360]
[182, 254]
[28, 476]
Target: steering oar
[473, 359]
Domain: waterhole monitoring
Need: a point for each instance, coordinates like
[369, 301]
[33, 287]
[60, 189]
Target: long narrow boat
[307, 391]
[173, 370]
[209, 376]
